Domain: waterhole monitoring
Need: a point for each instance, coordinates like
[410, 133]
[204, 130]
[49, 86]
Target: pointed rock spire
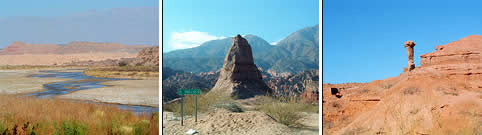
[239, 75]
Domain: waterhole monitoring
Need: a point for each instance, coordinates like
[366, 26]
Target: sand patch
[19, 82]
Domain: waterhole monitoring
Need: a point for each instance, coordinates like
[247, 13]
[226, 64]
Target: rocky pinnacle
[409, 46]
[239, 75]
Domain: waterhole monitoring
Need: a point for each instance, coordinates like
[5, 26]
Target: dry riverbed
[134, 92]
[19, 82]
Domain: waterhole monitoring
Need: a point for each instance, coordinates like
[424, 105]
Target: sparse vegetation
[231, 106]
[410, 90]
[127, 72]
[25, 115]
[205, 101]
[286, 110]
[387, 86]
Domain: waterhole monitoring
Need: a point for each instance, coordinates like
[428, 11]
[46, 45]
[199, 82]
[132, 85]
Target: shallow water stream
[80, 82]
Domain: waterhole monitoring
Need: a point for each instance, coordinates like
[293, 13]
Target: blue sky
[63, 21]
[363, 40]
[189, 23]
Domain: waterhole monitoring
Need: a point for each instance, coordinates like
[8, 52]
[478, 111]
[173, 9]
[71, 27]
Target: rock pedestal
[239, 75]
[409, 46]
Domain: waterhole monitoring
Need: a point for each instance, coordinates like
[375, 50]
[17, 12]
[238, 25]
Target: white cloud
[183, 40]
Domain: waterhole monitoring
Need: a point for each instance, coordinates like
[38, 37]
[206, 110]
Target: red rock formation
[465, 50]
[433, 98]
[460, 60]
[18, 47]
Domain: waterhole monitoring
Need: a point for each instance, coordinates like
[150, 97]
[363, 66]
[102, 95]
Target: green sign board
[189, 92]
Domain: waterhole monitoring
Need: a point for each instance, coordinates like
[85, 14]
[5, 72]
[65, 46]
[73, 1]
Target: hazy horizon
[129, 22]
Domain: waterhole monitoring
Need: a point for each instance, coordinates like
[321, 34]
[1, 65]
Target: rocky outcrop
[149, 56]
[465, 50]
[146, 57]
[239, 75]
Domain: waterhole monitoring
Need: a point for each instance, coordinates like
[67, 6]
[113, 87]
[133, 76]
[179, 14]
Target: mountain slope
[219, 48]
[295, 53]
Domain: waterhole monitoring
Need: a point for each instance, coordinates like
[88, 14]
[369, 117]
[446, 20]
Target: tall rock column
[409, 46]
[239, 75]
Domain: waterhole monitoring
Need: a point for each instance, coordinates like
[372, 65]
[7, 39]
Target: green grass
[72, 127]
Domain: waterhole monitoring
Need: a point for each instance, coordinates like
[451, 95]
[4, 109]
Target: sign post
[183, 92]
[196, 108]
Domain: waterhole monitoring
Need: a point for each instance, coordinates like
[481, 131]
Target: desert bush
[286, 110]
[123, 63]
[284, 113]
[387, 86]
[410, 90]
[205, 101]
[233, 107]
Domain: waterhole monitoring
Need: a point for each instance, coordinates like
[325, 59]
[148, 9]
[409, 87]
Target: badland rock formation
[146, 57]
[239, 75]
[441, 96]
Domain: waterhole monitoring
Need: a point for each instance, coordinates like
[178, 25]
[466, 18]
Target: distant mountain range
[295, 53]
[76, 47]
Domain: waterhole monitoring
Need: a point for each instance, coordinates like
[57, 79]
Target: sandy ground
[134, 92]
[18, 82]
[223, 122]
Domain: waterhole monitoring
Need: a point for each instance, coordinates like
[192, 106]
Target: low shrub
[233, 107]
[284, 113]
[410, 90]
[72, 127]
[286, 110]
[205, 101]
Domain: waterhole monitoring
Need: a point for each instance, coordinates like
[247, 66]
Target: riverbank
[133, 92]
[125, 72]
[19, 81]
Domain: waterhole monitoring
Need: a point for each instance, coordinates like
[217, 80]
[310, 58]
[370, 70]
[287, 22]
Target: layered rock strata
[239, 75]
